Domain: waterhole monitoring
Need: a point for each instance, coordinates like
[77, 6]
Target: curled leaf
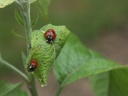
[45, 53]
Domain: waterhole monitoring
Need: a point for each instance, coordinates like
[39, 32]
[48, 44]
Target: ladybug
[50, 35]
[32, 66]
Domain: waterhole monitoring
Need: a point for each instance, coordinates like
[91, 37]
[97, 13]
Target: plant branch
[18, 3]
[14, 68]
[32, 87]
[25, 12]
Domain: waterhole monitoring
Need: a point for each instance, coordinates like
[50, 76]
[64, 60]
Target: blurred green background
[92, 20]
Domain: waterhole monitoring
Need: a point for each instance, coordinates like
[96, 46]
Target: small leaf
[7, 89]
[32, 1]
[24, 61]
[43, 5]
[0, 57]
[112, 83]
[23, 58]
[4, 3]
[76, 61]
[18, 18]
[17, 35]
[35, 21]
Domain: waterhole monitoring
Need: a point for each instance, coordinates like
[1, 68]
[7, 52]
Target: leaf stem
[14, 68]
[58, 91]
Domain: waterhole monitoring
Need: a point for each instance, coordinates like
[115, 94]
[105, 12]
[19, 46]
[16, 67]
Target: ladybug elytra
[50, 35]
[32, 66]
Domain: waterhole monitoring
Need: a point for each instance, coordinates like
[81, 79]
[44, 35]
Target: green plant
[74, 62]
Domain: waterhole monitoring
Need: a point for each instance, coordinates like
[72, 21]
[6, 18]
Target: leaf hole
[59, 39]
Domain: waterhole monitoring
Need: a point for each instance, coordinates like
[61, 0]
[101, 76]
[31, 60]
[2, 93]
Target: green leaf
[23, 58]
[17, 35]
[43, 5]
[4, 3]
[22, 93]
[112, 83]
[76, 61]
[32, 1]
[24, 61]
[7, 89]
[45, 53]
[35, 21]
[18, 18]
[0, 57]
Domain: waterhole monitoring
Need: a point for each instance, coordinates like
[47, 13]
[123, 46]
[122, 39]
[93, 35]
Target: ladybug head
[31, 68]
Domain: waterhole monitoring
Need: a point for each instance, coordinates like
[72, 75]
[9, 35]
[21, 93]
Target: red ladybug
[50, 35]
[32, 66]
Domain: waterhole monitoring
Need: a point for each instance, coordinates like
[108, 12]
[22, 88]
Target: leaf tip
[43, 83]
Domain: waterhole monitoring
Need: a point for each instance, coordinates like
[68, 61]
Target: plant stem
[32, 87]
[27, 20]
[58, 91]
[25, 10]
[14, 68]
